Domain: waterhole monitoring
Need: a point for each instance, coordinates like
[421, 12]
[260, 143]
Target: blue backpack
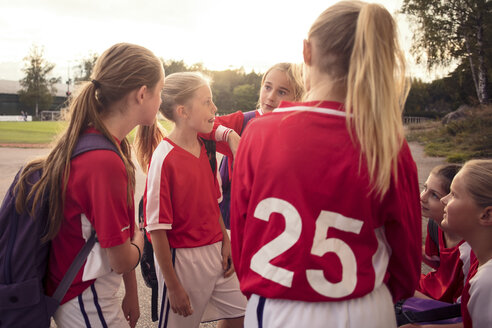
[24, 258]
[225, 205]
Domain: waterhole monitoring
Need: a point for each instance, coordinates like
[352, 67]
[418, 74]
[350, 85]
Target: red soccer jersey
[446, 283]
[305, 225]
[181, 197]
[96, 196]
[477, 295]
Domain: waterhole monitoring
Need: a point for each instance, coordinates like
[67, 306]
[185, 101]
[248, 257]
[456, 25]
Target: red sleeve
[233, 121]
[404, 229]
[102, 175]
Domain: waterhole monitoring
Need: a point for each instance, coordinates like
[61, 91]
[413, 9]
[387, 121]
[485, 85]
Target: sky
[221, 34]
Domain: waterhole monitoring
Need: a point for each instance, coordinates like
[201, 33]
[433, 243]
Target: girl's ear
[141, 92]
[486, 218]
[307, 52]
[181, 111]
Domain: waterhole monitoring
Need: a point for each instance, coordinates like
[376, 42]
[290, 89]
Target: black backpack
[147, 265]
[24, 258]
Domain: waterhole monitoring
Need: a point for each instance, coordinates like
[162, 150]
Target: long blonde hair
[178, 89]
[359, 50]
[120, 69]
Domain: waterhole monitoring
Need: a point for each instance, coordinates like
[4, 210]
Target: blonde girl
[468, 212]
[325, 213]
[196, 280]
[95, 189]
[281, 82]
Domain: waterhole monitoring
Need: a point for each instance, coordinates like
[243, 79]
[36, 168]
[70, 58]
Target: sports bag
[426, 311]
[24, 258]
[147, 264]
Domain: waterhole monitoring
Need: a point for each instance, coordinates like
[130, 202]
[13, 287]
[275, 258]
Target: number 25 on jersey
[260, 262]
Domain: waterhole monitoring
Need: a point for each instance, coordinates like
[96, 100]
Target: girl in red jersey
[451, 257]
[281, 82]
[95, 190]
[468, 212]
[191, 245]
[325, 212]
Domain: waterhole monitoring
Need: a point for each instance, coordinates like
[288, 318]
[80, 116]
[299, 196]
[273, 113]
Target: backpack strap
[86, 142]
[93, 141]
[247, 117]
[433, 230]
[436, 314]
[74, 268]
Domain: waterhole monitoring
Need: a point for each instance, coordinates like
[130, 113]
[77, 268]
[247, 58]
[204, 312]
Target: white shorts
[97, 306]
[372, 310]
[212, 296]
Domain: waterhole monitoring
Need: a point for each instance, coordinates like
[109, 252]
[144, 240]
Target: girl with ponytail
[325, 224]
[95, 190]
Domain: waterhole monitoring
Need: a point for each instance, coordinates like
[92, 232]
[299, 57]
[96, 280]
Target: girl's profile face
[275, 88]
[461, 212]
[430, 198]
[202, 110]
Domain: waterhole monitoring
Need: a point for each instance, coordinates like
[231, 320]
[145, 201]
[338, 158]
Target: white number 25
[260, 262]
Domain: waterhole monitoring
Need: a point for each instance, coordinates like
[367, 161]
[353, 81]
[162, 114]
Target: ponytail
[376, 93]
[359, 50]
[146, 141]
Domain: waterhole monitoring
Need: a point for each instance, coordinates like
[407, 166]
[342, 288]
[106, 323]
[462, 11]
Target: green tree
[445, 31]
[37, 88]
[245, 97]
[85, 68]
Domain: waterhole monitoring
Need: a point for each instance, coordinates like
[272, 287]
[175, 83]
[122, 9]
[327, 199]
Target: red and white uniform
[477, 295]
[96, 196]
[221, 129]
[181, 197]
[446, 283]
[305, 225]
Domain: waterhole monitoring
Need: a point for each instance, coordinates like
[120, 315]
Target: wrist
[222, 133]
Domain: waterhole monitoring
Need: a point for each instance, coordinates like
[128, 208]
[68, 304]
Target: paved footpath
[11, 159]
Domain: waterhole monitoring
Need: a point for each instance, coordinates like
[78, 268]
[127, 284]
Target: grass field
[41, 132]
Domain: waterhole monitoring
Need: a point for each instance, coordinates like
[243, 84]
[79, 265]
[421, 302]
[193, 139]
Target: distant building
[9, 99]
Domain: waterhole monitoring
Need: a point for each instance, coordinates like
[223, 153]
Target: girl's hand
[233, 141]
[227, 258]
[180, 302]
[131, 309]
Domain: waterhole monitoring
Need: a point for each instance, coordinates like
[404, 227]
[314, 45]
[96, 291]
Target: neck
[185, 138]
[451, 239]
[324, 87]
[118, 122]
[481, 244]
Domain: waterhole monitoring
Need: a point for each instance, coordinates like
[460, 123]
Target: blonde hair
[294, 75]
[478, 180]
[120, 69]
[179, 88]
[359, 50]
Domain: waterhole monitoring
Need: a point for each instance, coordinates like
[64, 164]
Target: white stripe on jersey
[381, 257]
[311, 109]
[154, 182]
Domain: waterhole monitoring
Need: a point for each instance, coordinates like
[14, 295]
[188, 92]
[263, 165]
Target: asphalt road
[11, 159]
